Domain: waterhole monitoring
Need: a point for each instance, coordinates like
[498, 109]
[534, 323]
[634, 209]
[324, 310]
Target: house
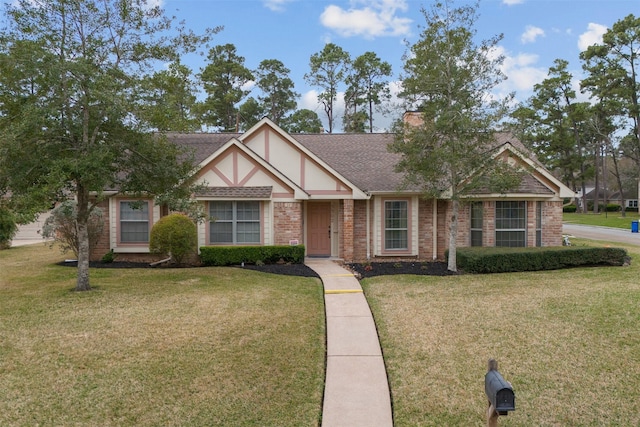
[337, 194]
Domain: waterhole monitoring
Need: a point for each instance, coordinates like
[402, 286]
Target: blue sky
[536, 32]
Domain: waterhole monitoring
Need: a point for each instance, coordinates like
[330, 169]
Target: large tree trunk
[82, 283]
[453, 234]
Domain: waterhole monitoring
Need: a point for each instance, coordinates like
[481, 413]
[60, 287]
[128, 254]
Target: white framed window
[396, 225]
[511, 223]
[234, 222]
[477, 212]
[134, 221]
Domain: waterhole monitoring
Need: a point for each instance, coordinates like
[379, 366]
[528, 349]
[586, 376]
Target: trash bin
[634, 226]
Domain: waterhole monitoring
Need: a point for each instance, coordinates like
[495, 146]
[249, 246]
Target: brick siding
[287, 222]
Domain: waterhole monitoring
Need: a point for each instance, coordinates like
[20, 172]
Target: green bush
[630, 209]
[8, 228]
[62, 227]
[569, 208]
[502, 260]
[174, 236]
[236, 255]
[613, 207]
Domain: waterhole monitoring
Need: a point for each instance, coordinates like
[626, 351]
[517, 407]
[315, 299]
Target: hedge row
[502, 260]
[236, 255]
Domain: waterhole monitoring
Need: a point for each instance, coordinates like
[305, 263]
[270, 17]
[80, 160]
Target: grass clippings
[150, 347]
[568, 341]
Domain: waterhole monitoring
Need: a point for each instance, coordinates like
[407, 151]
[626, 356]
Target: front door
[319, 229]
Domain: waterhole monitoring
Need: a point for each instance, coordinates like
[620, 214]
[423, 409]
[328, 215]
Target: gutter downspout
[434, 243]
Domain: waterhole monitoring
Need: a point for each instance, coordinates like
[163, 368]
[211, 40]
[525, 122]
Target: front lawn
[604, 219]
[568, 341]
[151, 347]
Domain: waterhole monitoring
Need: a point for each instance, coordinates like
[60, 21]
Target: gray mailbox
[499, 392]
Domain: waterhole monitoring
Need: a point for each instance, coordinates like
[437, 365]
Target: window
[538, 223]
[476, 223]
[511, 224]
[234, 222]
[134, 222]
[396, 225]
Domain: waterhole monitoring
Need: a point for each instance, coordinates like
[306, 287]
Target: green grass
[151, 347]
[568, 341]
[608, 219]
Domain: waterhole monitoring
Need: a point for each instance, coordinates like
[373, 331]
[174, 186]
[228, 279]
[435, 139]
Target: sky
[535, 33]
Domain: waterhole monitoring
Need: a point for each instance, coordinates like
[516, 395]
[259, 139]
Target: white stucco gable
[303, 167]
[235, 165]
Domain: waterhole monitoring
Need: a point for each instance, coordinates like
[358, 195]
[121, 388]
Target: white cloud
[522, 74]
[276, 5]
[592, 36]
[372, 19]
[531, 33]
[512, 2]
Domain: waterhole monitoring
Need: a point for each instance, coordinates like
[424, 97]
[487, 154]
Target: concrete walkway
[356, 388]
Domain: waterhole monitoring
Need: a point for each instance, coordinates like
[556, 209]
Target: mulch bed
[362, 270]
[403, 267]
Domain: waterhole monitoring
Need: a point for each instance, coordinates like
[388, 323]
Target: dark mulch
[285, 269]
[404, 267]
[363, 270]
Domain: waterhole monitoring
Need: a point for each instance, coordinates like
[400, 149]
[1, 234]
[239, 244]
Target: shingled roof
[362, 158]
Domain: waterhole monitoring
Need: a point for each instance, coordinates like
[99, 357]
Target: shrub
[174, 236]
[62, 227]
[502, 260]
[569, 208]
[8, 227]
[236, 255]
[630, 209]
[109, 257]
[613, 207]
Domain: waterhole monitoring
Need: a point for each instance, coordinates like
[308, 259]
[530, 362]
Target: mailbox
[499, 392]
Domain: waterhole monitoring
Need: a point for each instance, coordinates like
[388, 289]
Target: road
[602, 233]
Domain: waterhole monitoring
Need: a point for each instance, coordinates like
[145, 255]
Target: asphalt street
[618, 235]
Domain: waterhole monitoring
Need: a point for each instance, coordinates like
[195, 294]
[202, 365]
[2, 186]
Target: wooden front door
[319, 229]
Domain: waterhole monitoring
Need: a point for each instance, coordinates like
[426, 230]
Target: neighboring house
[338, 194]
[630, 199]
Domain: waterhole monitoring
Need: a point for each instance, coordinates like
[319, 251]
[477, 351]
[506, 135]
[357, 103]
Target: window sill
[142, 249]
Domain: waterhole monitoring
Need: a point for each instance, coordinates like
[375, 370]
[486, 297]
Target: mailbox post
[499, 393]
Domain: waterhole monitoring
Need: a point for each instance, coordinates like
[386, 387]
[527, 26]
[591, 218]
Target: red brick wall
[552, 224]
[360, 230]
[489, 224]
[425, 229]
[287, 222]
[103, 245]
[347, 235]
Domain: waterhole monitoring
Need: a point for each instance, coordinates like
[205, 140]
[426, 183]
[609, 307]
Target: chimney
[413, 118]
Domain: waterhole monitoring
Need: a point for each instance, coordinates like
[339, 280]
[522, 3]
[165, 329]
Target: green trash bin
[634, 226]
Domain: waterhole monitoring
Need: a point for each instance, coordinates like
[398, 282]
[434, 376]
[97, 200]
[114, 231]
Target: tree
[328, 69]
[278, 97]
[366, 87]
[303, 121]
[168, 100]
[69, 126]
[556, 127]
[224, 80]
[62, 227]
[612, 69]
[249, 113]
[449, 78]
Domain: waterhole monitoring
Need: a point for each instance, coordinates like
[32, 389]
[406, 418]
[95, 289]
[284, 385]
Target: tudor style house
[337, 194]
